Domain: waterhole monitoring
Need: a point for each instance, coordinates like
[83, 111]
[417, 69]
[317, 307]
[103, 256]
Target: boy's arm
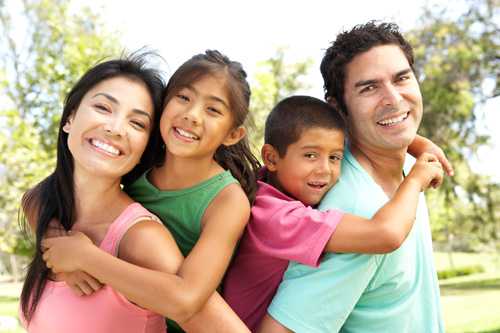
[422, 145]
[388, 228]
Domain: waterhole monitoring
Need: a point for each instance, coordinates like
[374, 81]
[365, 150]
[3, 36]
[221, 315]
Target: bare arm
[422, 145]
[176, 296]
[388, 228]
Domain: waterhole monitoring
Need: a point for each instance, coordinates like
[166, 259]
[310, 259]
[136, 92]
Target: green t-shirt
[181, 211]
[392, 293]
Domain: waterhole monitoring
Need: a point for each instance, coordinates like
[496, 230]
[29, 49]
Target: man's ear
[67, 126]
[270, 157]
[235, 136]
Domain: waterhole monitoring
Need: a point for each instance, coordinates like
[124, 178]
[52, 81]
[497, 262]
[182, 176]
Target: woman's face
[109, 131]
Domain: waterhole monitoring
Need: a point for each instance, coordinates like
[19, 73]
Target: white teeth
[186, 134]
[104, 146]
[394, 120]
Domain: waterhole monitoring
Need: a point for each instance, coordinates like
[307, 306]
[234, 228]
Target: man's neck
[384, 166]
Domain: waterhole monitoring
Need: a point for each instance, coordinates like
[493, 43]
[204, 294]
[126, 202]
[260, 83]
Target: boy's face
[310, 167]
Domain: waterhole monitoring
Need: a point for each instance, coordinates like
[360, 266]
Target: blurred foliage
[46, 45]
[275, 79]
[458, 62]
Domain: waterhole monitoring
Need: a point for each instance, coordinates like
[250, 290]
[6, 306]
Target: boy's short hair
[293, 115]
[348, 45]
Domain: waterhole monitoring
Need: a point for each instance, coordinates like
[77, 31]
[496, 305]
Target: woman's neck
[180, 173]
[98, 199]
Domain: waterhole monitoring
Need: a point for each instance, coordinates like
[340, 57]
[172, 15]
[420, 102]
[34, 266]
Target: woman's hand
[63, 254]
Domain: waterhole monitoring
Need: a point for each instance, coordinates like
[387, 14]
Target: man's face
[383, 99]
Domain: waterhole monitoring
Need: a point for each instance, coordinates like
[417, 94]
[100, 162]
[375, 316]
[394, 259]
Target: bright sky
[250, 31]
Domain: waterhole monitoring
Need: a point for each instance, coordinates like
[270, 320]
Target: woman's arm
[388, 228]
[179, 296]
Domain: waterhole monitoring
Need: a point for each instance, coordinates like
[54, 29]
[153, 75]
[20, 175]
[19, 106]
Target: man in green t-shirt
[368, 75]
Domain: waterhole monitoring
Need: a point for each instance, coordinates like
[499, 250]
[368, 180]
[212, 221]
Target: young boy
[304, 143]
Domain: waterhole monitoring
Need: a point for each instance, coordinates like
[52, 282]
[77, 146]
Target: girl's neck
[98, 199]
[179, 173]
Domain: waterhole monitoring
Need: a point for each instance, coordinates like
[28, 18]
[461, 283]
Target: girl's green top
[181, 211]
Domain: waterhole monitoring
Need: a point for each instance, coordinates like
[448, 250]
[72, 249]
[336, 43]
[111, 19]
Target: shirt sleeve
[288, 230]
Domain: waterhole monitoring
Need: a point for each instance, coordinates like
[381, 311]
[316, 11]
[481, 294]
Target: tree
[456, 59]
[275, 80]
[46, 45]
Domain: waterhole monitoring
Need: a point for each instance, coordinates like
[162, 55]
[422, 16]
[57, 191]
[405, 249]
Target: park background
[45, 45]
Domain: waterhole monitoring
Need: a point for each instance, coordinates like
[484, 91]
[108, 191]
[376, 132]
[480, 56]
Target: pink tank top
[61, 311]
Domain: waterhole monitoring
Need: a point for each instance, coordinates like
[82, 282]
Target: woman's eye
[102, 108]
[138, 124]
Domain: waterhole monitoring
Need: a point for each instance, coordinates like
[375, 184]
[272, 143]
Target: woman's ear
[67, 126]
[235, 136]
[270, 157]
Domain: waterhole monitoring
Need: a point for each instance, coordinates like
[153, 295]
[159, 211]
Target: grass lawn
[471, 304]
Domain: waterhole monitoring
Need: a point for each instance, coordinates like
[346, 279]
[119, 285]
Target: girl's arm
[179, 296]
[422, 145]
[388, 228]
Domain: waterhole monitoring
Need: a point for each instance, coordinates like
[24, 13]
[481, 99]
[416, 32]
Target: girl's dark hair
[53, 198]
[348, 45]
[237, 158]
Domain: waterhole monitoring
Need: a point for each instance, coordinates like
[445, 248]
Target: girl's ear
[67, 126]
[269, 156]
[235, 136]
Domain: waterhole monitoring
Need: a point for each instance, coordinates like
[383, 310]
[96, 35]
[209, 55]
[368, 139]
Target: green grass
[471, 303]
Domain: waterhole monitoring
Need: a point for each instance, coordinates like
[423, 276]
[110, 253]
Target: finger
[93, 283]
[75, 289]
[45, 256]
[86, 289]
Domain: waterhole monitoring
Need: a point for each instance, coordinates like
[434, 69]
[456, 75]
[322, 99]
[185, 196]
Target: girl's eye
[214, 110]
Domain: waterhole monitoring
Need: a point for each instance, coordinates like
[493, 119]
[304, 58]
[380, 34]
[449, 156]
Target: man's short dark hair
[348, 45]
[293, 115]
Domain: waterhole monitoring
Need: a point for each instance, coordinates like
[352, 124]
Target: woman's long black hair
[54, 197]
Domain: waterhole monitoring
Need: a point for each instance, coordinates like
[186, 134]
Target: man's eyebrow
[403, 72]
[109, 97]
[363, 83]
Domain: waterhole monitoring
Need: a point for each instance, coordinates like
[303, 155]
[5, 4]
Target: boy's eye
[182, 97]
[310, 155]
[336, 158]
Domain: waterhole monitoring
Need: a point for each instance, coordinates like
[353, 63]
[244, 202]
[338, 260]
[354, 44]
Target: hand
[80, 282]
[62, 254]
[428, 171]
[423, 145]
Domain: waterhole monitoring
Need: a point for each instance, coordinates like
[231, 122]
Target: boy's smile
[310, 167]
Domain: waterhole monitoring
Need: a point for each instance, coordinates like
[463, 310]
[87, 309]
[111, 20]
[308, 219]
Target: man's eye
[368, 88]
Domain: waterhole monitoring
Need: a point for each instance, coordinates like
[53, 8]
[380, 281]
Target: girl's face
[198, 119]
[109, 131]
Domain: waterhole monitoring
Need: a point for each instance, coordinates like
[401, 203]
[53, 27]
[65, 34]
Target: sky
[250, 31]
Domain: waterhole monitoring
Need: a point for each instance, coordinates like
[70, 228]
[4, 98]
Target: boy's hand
[61, 254]
[423, 145]
[80, 282]
[428, 171]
